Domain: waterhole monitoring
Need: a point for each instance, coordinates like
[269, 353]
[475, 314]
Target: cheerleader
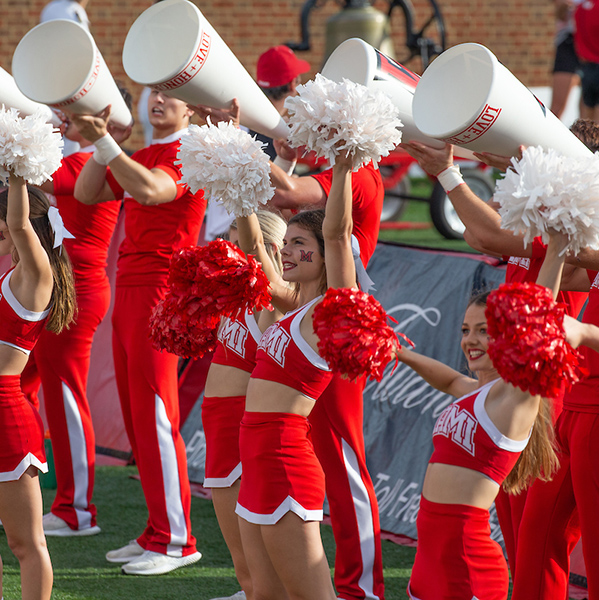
[161, 217]
[282, 488]
[37, 291]
[223, 405]
[560, 511]
[61, 363]
[495, 435]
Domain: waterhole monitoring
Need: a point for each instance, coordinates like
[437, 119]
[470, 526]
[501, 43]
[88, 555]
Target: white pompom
[329, 117]
[228, 164]
[29, 147]
[550, 191]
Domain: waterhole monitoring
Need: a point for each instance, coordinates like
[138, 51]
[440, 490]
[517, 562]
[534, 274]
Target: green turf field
[82, 573]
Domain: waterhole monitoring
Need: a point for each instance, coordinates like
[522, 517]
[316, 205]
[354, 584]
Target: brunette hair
[311, 220]
[63, 301]
[587, 131]
[538, 459]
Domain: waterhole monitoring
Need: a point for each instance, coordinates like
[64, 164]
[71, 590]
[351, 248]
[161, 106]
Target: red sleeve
[160, 157]
[165, 161]
[325, 178]
[175, 174]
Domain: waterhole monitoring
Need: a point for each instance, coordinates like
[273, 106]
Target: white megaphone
[171, 47]
[58, 63]
[468, 98]
[12, 97]
[358, 61]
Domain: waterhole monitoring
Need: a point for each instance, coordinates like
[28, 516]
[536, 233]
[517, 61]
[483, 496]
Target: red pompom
[183, 269]
[353, 334]
[528, 346]
[221, 277]
[205, 284]
[177, 326]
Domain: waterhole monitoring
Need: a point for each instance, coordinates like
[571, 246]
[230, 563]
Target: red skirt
[456, 558]
[221, 419]
[280, 470]
[21, 431]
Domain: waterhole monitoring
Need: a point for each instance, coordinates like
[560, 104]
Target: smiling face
[301, 256]
[167, 115]
[475, 340]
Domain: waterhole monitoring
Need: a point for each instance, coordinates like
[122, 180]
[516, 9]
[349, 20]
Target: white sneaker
[154, 563]
[126, 553]
[55, 526]
[237, 596]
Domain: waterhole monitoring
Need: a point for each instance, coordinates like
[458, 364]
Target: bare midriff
[224, 381]
[450, 484]
[270, 396]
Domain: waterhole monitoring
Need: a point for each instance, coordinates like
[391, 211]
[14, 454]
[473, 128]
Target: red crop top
[237, 343]
[19, 327]
[285, 357]
[465, 436]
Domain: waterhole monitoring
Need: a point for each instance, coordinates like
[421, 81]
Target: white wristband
[106, 150]
[286, 165]
[450, 178]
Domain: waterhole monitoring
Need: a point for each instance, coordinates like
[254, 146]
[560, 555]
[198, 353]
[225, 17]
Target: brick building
[519, 32]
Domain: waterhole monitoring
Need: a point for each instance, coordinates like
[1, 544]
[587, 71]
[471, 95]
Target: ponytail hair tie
[60, 231]
[362, 277]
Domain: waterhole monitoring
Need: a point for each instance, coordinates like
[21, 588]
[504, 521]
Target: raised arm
[32, 279]
[483, 224]
[581, 334]
[550, 274]
[337, 228]
[251, 241]
[146, 186]
[91, 186]
[586, 258]
[295, 192]
[439, 375]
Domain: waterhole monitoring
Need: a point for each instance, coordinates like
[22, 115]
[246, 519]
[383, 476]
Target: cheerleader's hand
[558, 241]
[64, 122]
[14, 180]
[216, 115]
[501, 163]
[285, 150]
[92, 127]
[118, 133]
[344, 160]
[432, 160]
